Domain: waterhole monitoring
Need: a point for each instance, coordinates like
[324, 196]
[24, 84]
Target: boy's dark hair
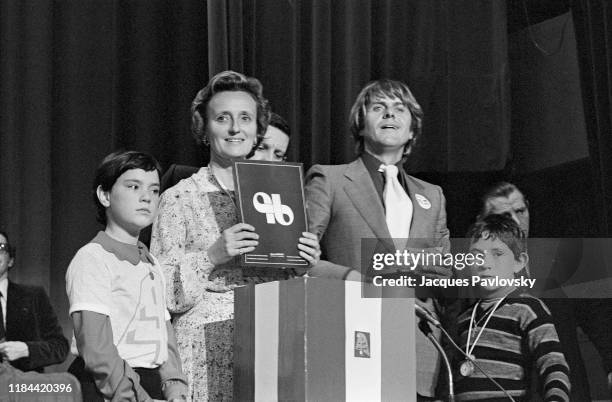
[11, 249]
[502, 227]
[113, 166]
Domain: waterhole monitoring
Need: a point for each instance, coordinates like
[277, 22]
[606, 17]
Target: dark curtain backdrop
[593, 25]
[79, 79]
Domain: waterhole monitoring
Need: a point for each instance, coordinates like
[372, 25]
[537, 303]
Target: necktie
[2, 329]
[398, 206]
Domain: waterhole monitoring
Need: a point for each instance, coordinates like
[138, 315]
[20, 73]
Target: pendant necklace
[466, 368]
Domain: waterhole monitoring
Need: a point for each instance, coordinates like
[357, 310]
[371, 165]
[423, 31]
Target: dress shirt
[372, 164]
[3, 290]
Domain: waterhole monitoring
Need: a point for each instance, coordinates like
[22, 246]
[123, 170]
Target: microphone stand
[427, 318]
[426, 329]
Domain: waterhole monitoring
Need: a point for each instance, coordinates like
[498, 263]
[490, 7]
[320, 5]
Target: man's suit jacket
[344, 207]
[31, 319]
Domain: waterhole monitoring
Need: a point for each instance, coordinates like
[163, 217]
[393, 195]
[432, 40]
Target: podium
[314, 339]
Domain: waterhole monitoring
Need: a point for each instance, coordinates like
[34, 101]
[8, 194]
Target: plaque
[270, 197]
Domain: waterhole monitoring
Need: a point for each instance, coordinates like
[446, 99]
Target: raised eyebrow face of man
[273, 147]
[514, 205]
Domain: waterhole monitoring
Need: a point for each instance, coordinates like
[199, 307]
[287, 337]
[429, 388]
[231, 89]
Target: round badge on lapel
[423, 202]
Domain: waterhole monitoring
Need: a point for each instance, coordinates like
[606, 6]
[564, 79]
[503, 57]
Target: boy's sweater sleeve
[544, 345]
[174, 382]
[115, 379]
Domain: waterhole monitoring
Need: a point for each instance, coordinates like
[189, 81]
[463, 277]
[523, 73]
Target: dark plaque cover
[271, 198]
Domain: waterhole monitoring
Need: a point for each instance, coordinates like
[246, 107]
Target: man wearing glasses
[30, 336]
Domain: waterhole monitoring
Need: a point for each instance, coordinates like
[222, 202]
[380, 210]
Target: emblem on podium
[362, 344]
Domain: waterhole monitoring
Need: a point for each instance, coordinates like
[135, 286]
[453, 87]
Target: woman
[197, 238]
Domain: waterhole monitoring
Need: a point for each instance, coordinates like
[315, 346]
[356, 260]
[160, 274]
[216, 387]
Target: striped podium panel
[314, 339]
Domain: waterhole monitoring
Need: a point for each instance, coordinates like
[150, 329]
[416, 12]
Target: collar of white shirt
[4, 287]
[4, 290]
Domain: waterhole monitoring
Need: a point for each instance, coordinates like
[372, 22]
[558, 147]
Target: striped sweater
[519, 338]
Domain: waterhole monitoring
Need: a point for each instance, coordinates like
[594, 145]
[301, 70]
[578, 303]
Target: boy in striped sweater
[507, 333]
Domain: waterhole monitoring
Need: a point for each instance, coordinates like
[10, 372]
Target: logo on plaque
[274, 209]
[271, 198]
[362, 344]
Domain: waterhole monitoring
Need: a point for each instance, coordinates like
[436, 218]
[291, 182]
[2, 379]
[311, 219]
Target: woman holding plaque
[199, 241]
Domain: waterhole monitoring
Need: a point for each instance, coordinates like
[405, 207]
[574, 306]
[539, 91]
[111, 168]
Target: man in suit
[30, 336]
[373, 197]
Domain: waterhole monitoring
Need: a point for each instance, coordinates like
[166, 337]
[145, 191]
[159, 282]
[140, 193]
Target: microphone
[426, 315]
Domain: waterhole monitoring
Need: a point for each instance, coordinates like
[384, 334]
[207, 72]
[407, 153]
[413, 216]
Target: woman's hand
[309, 247]
[239, 239]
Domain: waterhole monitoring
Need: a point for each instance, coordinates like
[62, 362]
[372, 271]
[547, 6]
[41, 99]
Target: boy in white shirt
[122, 333]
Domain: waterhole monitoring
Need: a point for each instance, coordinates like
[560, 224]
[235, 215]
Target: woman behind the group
[197, 238]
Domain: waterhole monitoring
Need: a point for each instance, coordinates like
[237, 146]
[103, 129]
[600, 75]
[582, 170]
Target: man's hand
[14, 350]
[309, 247]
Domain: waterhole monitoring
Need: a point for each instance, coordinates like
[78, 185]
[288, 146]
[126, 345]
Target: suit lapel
[364, 197]
[13, 315]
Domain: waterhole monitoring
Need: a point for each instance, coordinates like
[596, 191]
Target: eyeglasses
[4, 248]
